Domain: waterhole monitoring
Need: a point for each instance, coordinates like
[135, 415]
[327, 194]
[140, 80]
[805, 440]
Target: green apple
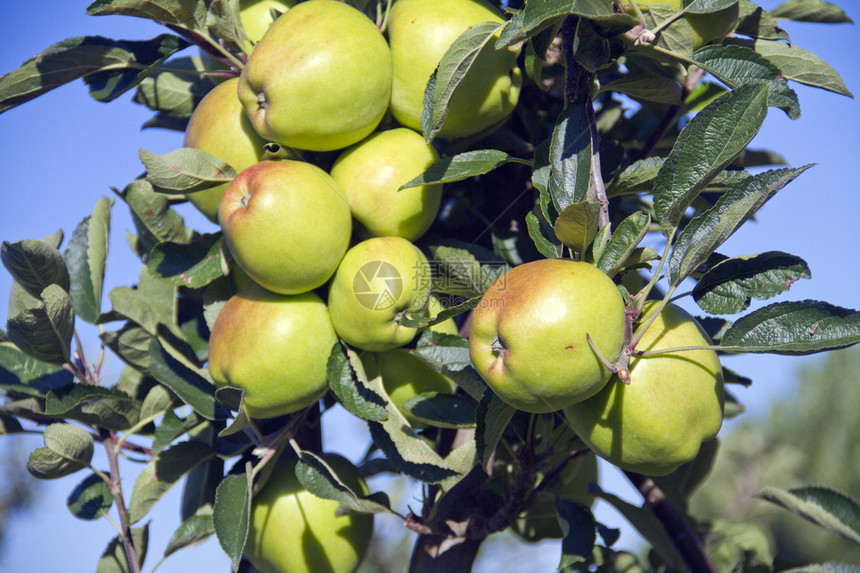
[404, 376]
[371, 173]
[377, 283]
[274, 347]
[528, 334]
[256, 16]
[319, 79]
[707, 27]
[219, 127]
[448, 326]
[673, 403]
[420, 32]
[294, 531]
[286, 223]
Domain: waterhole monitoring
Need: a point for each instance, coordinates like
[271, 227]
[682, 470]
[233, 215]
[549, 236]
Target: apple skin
[286, 223]
[705, 27]
[673, 403]
[319, 79]
[448, 326]
[219, 127]
[274, 347]
[404, 376]
[256, 16]
[292, 530]
[527, 336]
[371, 173]
[363, 321]
[420, 32]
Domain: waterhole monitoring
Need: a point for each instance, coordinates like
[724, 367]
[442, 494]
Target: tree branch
[110, 439]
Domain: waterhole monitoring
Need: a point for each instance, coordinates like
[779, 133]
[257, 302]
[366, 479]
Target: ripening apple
[528, 334]
[673, 403]
[709, 27]
[319, 79]
[286, 223]
[420, 32]
[294, 531]
[378, 282]
[371, 173]
[219, 127]
[274, 347]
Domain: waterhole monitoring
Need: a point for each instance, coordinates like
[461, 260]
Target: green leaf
[157, 401]
[45, 332]
[829, 508]
[131, 344]
[623, 243]
[829, 567]
[193, 530]
[802, 327]
[543, 235]
[570, 156]
[729, 285]
[159, 475]
[171, 427]
[706, 145]
[537, 15]
[192, 265]
[442, 410]
[738, 65]
[452, 68]
[757, 23]
[155, 221]
[799, 65]
[91, 499]
[86, 257]
[646, 87]
[348, 381]
[114, 558]
[26, 375]
[110, 67]
[407, 452]
[9, 425]
[34, 265]
[707, 6]
[187, 382]
[811, 11]
[636, 178]
[174, 94]
[189, 15]
[579, 529]
[185, 170]
[232, 514]
[463, 270]
[707, 231]
[447, 350]
[93, 405]
[319, 478]
[419, 321]
[491, 418]
[67, 449]
[463, 166]
[198, 493]
[576, 225]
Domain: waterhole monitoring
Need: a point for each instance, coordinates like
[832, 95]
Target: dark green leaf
[232, 514]
[706, 145]
[419, 321]
[174, 94]
[91, 499]
[537, 15]
[755, 22]
[579, 529]
[803, 327]
[67, 449]
[185, 170]
[34, 265]
[193, 530]
[187, 382]
[708, 6]
[452, 68]
[85, 257]
[576, 225]
[829, 508]
[131, 344]
[9, 425]
[466, 270]
[623, 243]
[348, 381]
[407, 452]
[189, 15]
[114, 558]
[93, 405]
[45, 332]
[647, 87]
[198, 494]
[27, 375]
[738, 65]
[729, 285]
[570, 156]
[811, 11]
[159, 475]
[319, 478]
[192, 265]
[463, 166]
[707, 231]
[491, 417]
[638, 177]
[442, 410]
[543, 235]
[449, 350]
[156, 222]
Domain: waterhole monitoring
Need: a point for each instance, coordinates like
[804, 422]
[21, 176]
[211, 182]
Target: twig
[109, 439]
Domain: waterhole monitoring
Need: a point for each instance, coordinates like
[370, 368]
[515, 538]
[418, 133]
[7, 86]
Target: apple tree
[467, 223]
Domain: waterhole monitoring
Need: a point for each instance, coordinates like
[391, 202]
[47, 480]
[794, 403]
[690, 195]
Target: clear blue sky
[61, 152]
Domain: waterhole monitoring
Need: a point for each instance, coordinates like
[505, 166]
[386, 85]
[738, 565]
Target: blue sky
[61, 152]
